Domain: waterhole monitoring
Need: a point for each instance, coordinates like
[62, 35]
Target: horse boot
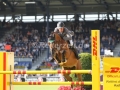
[75, 52]
[63, 56]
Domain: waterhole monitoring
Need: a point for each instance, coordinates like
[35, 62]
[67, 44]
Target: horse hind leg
[79, 67]
[79, 76]
[67, 76]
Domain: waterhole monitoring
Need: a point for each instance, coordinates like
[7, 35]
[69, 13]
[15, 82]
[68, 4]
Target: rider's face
[61, 29]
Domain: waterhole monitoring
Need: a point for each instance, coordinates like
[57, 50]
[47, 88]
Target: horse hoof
[61, 64]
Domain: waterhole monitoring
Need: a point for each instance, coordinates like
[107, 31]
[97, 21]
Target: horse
[57, 45]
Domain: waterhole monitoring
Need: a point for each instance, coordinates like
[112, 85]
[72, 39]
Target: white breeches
[71, 43]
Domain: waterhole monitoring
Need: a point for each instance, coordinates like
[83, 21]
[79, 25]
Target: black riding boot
[63, 56]
[52, 60]
[75, 52]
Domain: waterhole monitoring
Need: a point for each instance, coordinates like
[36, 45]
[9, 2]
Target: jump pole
[49, 72]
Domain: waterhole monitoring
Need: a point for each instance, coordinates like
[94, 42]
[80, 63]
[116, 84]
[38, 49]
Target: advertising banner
[111, 73]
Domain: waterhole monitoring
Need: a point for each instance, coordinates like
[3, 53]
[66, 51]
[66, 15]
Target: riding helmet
[60, 24]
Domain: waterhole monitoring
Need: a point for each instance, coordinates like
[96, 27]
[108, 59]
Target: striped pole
[48, 72]
[51, 83]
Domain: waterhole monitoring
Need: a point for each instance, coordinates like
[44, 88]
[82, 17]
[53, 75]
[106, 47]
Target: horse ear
[48, 36]
[48, 43]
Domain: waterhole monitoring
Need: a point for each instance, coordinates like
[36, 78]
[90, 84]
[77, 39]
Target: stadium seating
[109, 39]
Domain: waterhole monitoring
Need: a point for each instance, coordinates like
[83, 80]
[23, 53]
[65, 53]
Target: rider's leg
[71, 42]
[74, 49]
[76, 53]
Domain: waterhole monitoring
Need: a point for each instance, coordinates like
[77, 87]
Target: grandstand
[26, 29]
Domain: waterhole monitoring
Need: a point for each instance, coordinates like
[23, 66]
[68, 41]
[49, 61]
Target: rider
[66, 35]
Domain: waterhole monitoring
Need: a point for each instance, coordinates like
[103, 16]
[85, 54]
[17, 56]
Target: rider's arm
[68, 35]
[71, 32]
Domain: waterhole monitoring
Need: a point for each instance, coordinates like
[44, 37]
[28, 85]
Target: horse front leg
[57, 57]
[63, 64]
[63, 60]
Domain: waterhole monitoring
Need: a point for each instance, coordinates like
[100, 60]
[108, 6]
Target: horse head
[54, 37]
[56, 42]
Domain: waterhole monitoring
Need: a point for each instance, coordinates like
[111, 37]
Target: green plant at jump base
[86, 65]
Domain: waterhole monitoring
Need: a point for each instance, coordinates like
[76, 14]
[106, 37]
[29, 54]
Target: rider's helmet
[60, 24]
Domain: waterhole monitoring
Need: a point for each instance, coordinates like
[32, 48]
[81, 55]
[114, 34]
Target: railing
[23, 59]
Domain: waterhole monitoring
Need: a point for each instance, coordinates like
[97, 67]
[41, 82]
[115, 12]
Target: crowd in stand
[109, 32]
[25, 41]
[28, 41]
[4, 27]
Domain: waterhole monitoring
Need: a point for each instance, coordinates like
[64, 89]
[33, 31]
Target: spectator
[86, 46]
[0, 24]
